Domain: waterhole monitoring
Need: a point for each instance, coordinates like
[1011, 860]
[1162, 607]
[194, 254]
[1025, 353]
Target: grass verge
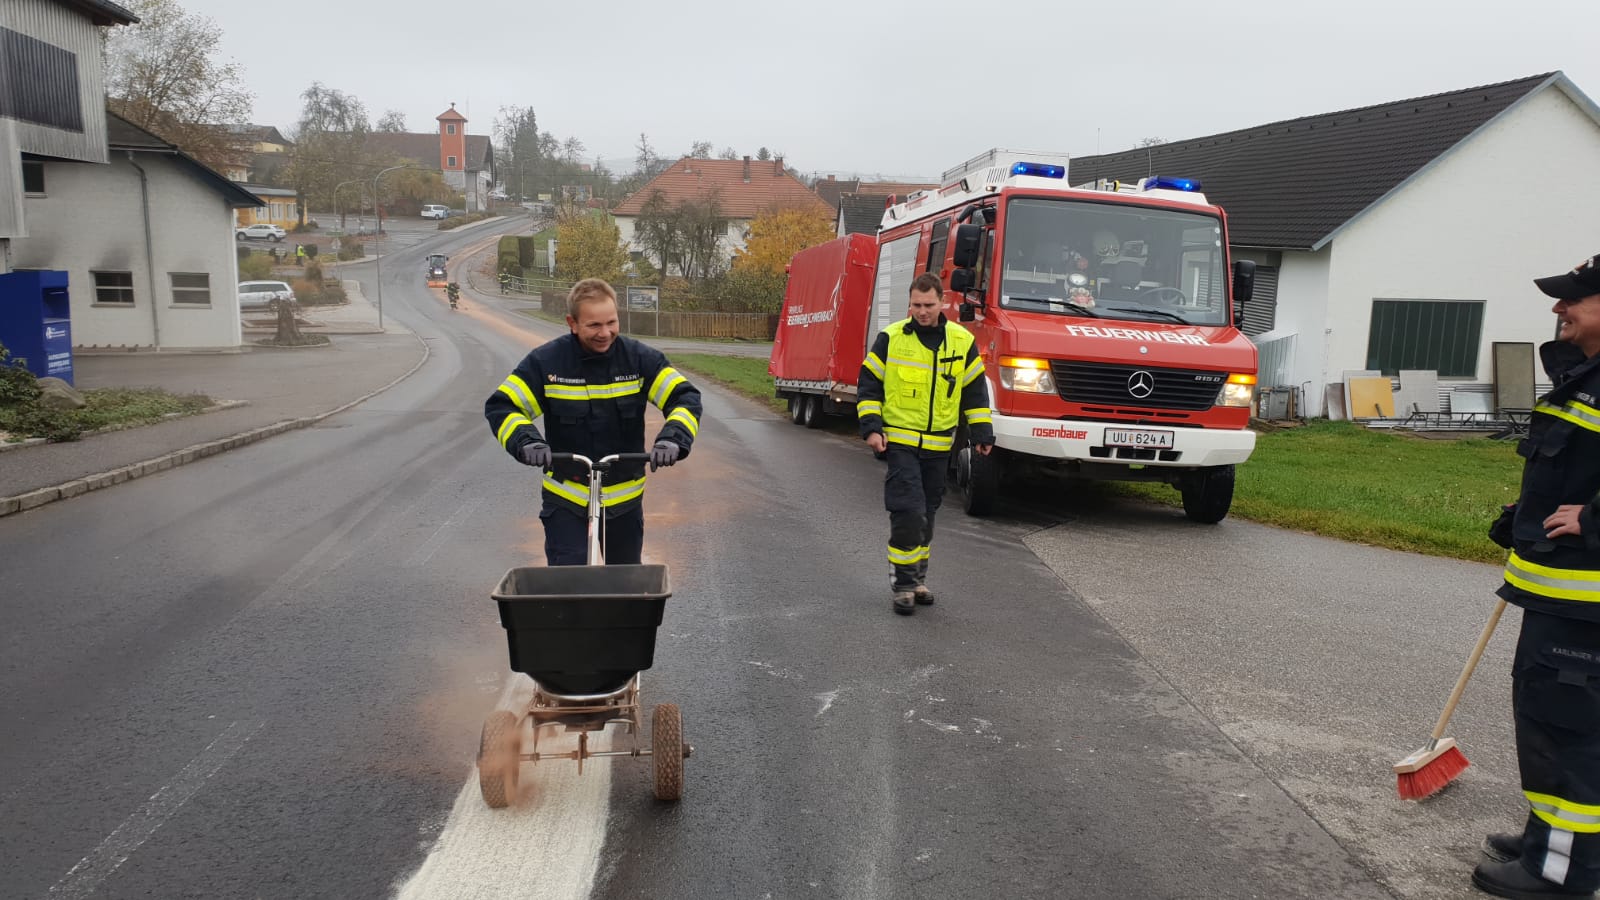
[1335, 479]
[108, 408]
[1373, 487]
[745, 374]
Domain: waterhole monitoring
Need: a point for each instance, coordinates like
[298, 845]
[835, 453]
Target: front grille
[1084, 382]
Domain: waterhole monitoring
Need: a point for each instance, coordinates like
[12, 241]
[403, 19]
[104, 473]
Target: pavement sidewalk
[277, 390]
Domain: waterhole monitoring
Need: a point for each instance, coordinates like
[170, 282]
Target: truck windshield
[1117, 262]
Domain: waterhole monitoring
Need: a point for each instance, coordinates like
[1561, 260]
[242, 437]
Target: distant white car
[261, 231]
[259, 295]
[435, 211]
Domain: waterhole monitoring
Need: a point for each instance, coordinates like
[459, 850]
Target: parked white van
[435, 211]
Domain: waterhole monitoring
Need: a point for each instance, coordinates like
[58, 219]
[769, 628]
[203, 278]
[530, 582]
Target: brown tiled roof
[424, 148]
[830, 190]
[451, 115]
[769, 187]
[1292, 184]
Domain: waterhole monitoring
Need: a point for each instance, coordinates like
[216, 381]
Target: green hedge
[508, 258]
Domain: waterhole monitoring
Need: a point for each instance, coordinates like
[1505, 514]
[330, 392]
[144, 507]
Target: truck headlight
[1239, 391]
[1030, 376]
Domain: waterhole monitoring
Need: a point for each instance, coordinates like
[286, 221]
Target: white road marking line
[547, 845]
[86, 876]
[442, 533]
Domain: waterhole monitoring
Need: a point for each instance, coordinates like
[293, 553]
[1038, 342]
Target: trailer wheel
[797, 405]
[499, 758]
[980, 478]
[812, 415]
[1208, 495]
[666, 737]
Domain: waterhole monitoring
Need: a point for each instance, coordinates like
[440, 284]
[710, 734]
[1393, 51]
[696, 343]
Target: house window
[449, 129]
[450, 162]
[113, 288]
[32, 176]
[1442, 335]
[191, 288]
[941, 235]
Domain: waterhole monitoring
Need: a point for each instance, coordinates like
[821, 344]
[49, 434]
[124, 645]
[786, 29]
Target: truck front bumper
[1085, 441]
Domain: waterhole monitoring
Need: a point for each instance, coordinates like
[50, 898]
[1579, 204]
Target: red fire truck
[1102, 312]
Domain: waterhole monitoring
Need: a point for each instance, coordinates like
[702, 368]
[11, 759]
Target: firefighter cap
[1582, 281]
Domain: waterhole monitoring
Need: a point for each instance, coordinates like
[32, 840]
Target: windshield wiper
[1052, 301]
[1150, 312]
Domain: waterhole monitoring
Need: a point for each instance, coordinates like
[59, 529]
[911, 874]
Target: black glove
[664, 453]
[1500, 528]
[535, 454]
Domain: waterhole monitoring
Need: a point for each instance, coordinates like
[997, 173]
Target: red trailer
[822, 337]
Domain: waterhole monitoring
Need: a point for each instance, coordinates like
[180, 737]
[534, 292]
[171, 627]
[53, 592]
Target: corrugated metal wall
[11, 224]
[1442, 335]
[1262, 311]
[75, 34]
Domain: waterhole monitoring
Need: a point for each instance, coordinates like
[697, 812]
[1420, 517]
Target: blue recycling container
[36, 322]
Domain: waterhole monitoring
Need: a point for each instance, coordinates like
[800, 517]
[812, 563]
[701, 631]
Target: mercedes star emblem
[1141, 384]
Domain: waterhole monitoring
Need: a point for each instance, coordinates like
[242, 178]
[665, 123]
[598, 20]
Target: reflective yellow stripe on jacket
[610, 495]
[592, 391]
[1579, 414]
[666, 381]
[1582, 585]
[517, 389]
[918, 439]
[509, 426]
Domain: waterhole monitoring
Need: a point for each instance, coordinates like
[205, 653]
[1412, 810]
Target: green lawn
[1330, 478]
[745, 374]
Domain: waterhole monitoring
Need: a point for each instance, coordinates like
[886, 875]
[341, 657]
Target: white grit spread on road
[546, 845]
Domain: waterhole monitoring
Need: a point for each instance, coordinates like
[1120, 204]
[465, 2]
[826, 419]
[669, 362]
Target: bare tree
[167, 76]
[700, 150]
[1151, 142]
[728, 153]
[392, 122]
[330, 144]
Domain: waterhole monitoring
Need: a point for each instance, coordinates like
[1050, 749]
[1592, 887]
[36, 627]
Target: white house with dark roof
[1399, 236]
[146, 241]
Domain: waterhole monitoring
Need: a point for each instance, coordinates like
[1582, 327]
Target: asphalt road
[263, 675]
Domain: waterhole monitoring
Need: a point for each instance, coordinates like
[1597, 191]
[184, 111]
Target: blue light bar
[1038, 170]
[1164, 182]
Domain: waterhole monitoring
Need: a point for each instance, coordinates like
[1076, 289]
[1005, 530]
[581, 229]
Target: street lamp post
[377, 207]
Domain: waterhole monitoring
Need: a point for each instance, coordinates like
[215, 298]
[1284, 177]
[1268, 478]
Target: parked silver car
[261, 231]
[258, 295]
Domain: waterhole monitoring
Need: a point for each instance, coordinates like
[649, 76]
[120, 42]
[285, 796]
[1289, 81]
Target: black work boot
[1503, 846]
[923, 596]
[1512, 879]
[905, 602]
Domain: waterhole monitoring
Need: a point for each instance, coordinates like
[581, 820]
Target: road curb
[34, 499]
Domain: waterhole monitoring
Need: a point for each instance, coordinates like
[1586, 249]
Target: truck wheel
[797, 405]
[980, 477]
[812, 415]
[1208, 494]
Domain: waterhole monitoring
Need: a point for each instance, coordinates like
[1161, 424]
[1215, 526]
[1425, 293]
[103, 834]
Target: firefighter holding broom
[1553, 573]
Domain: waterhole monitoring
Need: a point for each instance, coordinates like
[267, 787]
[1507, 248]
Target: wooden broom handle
[1466, 671]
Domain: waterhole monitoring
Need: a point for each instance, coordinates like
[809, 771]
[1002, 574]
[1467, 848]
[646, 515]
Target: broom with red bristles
[1439, 762]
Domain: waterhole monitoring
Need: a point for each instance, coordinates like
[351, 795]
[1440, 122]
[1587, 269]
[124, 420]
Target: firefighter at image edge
[1553, 573]
[591, 386]
[921, 379]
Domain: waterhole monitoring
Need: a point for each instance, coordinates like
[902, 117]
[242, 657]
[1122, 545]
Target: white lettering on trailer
[1137, 334]
[816, 318]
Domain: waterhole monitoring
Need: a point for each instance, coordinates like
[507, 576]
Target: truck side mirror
[963, 280]
[968, 239]
[1244, 287]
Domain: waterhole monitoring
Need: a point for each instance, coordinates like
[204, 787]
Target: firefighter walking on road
[1553, 573]
[922, 379]
[590, 387]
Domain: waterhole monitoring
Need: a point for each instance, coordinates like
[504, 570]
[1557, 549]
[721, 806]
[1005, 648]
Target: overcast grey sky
[889, 87]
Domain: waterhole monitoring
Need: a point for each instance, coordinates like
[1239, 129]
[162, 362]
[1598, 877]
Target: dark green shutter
[1442, 335]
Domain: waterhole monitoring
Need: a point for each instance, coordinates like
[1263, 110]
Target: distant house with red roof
[743, 190]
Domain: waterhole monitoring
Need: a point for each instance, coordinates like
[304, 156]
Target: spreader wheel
[499, 758]
[666, 732]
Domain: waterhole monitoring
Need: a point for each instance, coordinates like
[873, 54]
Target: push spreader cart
[583, 634]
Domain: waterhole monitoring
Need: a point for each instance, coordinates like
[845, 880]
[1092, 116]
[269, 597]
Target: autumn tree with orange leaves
[775, 237]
